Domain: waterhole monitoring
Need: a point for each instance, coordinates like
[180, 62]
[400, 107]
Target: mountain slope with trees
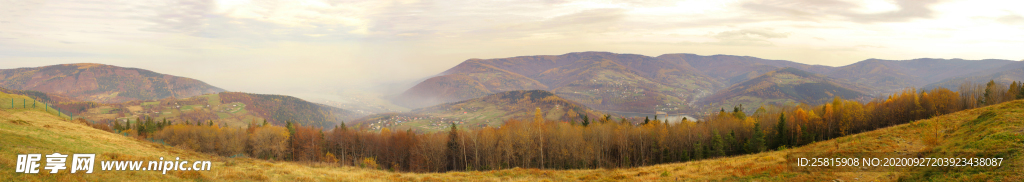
[488, 111]
[103, 83]
[887, 76]
[673, 83]
[787, 86]
[600, 80]
[222, 109]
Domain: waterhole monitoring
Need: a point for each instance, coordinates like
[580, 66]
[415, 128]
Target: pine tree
[730, 142]
[698, 151]
[781, 134]
[718, 145]
[453, 146]
[738, 112]
[117, 126]
[586, 120]
[684, 156]
[647, 119]
[290, 127]
[756, 142]
[989, 93]
[1019, 88]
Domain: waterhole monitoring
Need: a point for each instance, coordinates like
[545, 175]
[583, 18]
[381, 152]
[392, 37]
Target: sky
[320, 47]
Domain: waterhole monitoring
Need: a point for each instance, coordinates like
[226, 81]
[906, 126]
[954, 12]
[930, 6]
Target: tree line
[604, 142]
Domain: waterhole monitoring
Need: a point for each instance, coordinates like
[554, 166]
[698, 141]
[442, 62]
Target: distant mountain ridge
[601, 80]
[670, 82]
[1005, 74]
[784, 87]
[103, 83]
[886, 76]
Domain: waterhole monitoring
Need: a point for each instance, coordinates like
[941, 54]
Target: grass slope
[994, 129]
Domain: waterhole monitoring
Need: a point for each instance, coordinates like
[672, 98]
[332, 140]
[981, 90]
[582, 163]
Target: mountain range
[484, 92]
[684, 83]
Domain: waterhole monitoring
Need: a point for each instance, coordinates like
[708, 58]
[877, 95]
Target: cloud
[180, 16]
[592, 20]
[748, 37]
[818, 10]
[1011, 19]
[304, 13]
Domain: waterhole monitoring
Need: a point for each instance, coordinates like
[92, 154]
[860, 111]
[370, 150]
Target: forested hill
[600, 80]
[225, 108]
[785, 87]
[492, 110]
[103, 83]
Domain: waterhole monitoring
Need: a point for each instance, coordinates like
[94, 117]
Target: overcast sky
[315, 46]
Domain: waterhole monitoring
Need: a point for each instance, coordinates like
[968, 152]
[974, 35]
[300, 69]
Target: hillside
[993, 130]
[735, 69]
[785, 86]
[103, 83]
[228, 108]
[886, 76]
[600, 80]
[1004, 75]
[491, 110]
[674, 83]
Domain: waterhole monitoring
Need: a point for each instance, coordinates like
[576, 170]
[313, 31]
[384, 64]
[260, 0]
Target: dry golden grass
[25, 131]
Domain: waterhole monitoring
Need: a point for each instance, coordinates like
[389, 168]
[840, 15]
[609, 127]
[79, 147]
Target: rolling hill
[491, 110]
[600, 80]
[1005, 75]
[227, 108]
[785, 86]
[887, 76]
[993, 130]
[103, 83]
[735, 69]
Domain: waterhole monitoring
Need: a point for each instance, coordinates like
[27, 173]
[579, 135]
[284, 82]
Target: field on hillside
[997, 129]
[233, 114]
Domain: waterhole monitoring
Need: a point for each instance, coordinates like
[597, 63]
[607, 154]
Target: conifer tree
[718, 145]
[756, 142]
[117, 126]
[989, 93]
[730, 142]
[738, 112]
[453, 146]
[781, 134]
[586, 120]
[698, 151]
